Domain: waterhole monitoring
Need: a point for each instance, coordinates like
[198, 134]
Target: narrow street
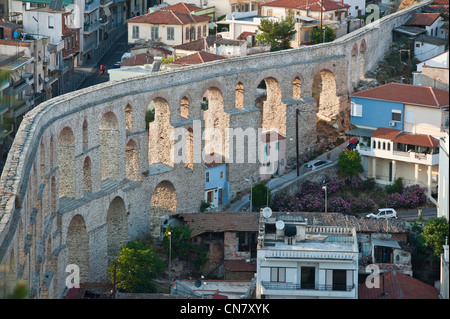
[113, 55]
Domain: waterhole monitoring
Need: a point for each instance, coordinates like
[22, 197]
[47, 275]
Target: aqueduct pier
[85, 174]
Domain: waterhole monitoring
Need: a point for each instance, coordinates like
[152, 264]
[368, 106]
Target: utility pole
[296, 141]
[409, 63]
[321, 18]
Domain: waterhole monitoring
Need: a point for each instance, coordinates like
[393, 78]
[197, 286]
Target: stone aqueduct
[85, 174]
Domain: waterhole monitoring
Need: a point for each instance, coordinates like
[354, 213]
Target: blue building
[216, 183]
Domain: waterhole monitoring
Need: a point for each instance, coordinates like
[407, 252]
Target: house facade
[398, 127]
[296, 260]
[216, 183]
[167, 26]
[274, 160]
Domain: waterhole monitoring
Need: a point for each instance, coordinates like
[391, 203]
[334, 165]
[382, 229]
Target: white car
[383, 213]
[315, 165]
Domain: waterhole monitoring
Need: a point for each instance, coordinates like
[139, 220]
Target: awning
[360, 132]
[385, 243]
[107, 11]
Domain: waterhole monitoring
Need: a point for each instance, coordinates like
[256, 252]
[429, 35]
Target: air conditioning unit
[392, 123]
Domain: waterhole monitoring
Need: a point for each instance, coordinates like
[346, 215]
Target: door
[308, 278]
[339, 279]
[390, 171]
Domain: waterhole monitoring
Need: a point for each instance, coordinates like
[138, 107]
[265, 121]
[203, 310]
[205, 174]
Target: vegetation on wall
[277, 34]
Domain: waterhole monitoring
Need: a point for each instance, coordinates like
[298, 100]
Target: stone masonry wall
[42, 232]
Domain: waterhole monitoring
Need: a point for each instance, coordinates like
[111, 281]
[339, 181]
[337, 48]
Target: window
[51, 22]
[278, 274]
[135, 32]
[396, 115]
[199, 32]
[187, 33]
[204, 31]
[207, 177]
[356, 109]
[192, 35]
[154, 33]
[170, 33]
[221, 174]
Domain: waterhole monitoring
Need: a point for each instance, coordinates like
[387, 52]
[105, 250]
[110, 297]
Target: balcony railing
[291, 286]
[91, 27]
[91, 5]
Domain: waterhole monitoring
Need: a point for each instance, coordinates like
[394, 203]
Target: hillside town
[224, 149]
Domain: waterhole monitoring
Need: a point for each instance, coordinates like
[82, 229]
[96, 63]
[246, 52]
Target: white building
[443, 193]
[427, 47]
[357, 7]
[298, 261]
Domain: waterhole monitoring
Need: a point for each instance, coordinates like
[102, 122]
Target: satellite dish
[46, 79]
[198, 283]
[267, 212]
[279, 225]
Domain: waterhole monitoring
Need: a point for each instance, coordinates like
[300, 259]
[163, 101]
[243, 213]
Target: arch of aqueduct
[85, 175]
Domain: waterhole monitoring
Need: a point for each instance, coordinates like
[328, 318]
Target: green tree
[136, 268]
[327, 35]
[434, 234]
[349, 163]
[277, 34]
[261, 196]
[183, 248]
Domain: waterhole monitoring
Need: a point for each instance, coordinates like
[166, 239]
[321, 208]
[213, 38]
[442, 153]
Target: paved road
[410, 214]
[112, 56]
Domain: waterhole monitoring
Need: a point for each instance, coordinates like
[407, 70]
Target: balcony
[292, 290]
[398, 155]
[16, 87]
[106, 3]
[91, 27]
[291, 286]
[91, 5]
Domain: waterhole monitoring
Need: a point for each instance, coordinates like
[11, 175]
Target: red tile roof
[408, 94]
[328, 5]
[183, 7]
[386, 133]
[218, 222]
[214, 160]
[198, 58]
[417, 139]
[423, 19]
[239, 265]
[140, 59]
[244, 35]
[272, 136]
[399, 136]
[171, 17]
[398, 286]
[197, 45]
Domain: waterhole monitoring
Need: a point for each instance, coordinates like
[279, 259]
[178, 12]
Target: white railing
[329, 230]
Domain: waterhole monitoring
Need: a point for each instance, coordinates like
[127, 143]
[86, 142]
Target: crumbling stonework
[56, 202]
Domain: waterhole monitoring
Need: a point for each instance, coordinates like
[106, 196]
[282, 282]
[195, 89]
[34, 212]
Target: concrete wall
[38, 227]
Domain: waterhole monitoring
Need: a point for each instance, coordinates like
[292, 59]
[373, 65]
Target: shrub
[395, 187]
[309, 187]
[335, 185]
[312, 203]
[362, 206]
[260, 192]
[338, 205]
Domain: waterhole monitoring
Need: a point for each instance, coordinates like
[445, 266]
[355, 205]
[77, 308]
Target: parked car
[352, 144]
[315, 165]
[383, 213]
